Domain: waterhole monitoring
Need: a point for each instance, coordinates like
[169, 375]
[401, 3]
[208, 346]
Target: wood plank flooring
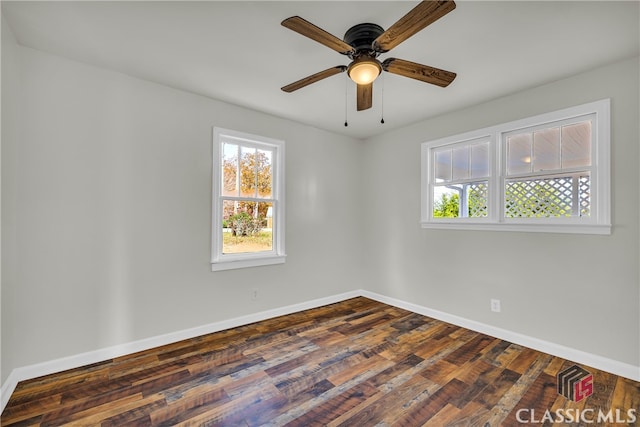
[355, 363]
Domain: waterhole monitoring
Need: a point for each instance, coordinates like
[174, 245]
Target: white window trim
[599, 222]
[277, 255]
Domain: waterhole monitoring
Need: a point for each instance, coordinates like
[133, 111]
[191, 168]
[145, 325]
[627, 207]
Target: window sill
[537, 228]
[247, 262]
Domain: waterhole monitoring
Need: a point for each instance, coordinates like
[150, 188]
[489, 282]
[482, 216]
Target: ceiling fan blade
[364, 97]
[314, 78]
[424, 73]
[307, 29]
[425, 13]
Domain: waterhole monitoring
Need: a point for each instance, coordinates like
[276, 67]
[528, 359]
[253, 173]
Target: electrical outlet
[254, 294]
[495, 305]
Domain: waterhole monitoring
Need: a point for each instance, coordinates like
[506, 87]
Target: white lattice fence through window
[478, 196]
[544, 198]
[584, 187]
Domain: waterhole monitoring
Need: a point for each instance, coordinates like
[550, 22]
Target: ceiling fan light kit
[364, 70]
[363, 43]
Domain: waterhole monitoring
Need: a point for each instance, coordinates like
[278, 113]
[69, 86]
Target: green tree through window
[447, 207]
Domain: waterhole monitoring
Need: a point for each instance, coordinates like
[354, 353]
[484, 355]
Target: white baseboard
[599, 362]
[75, 361]
[78, 360]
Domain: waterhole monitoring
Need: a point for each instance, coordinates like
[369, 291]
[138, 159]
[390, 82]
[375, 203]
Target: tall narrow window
[248, 200]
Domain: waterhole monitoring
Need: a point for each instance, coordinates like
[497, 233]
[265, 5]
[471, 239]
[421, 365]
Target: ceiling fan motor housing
[361, 38]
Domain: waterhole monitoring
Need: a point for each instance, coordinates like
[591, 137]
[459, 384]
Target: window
[461, 173]
[248, 200]
[546, 173]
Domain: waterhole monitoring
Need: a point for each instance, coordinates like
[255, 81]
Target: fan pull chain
[346, 87]
[382, 102]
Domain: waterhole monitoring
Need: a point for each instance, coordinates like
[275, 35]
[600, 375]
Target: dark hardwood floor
[354, 363]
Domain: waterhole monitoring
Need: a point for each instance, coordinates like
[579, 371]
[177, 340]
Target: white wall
[106, 233]
[581, 291]
[107, 195]
[10, 132]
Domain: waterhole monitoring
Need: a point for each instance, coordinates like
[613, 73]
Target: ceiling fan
[363, 43]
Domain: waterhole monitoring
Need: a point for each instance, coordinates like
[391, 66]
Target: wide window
[248, 200]
[545, 173]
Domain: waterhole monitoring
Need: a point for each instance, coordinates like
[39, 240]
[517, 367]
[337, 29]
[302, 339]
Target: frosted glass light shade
[364, 71]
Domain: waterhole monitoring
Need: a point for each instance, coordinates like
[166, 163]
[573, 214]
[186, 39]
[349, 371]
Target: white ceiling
[238, 52]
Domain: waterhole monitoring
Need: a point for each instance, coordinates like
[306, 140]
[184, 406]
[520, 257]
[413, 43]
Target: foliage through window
[460, 175]
[248, 226]
[544, 173]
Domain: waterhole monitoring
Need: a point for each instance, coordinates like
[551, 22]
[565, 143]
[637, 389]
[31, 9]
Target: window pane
[263, 164]
[247, 227]
[446, 202]
[248, 176]
[584, 188]
[539, 198]
[576, 145]
[229, 169]
[480, 160]
[478, 199]
[460, 157]
[519, 153]
[461, 200]
[546, 149]
[442, 167]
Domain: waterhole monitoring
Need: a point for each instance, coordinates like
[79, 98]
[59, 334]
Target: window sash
[465, 192]
[240, 147]
[572, 193]
[472, 173]
[559, 124]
